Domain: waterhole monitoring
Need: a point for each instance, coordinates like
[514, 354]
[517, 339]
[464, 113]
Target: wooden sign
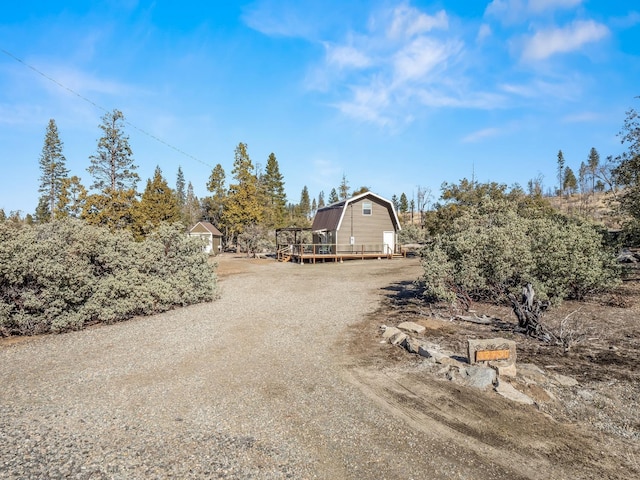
[486, 355]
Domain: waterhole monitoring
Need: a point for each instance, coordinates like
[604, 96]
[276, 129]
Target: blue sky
[392, 94]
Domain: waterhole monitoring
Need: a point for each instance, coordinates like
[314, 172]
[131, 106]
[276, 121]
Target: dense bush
[491, 250]
[63, 275]
[413, 234]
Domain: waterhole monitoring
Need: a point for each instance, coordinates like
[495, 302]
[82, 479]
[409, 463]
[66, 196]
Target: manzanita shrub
[492, 250]
[64, 275]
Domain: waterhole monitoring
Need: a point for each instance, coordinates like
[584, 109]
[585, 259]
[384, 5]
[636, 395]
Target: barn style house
[364, 226]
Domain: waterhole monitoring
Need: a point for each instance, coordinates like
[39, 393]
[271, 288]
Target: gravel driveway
[248, 386]
[266, 382]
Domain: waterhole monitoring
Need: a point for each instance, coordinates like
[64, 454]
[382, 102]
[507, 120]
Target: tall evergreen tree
[333, 196]
[114, 176]
[305, 204]
[242, 206]
[158, 204]
[593, 161]
[570, 183]
[560, 172]
[53, 170]
[112, 166]
[181, 194]
[321, 199]
[276, 198]
[192, 210]
[213, 205]
[404, 203]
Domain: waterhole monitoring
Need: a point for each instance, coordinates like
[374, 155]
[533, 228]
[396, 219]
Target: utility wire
[99, 107]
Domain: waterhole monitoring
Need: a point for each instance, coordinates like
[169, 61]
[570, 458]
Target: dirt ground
[591, 429]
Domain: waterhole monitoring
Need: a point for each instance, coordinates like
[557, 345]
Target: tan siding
[367, 229]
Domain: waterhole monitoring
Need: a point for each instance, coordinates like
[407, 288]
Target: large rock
[411, 327]
[412, 345]
[394, 335]
[478, 377]
[532, 373]
[390, 332]
[509, 392]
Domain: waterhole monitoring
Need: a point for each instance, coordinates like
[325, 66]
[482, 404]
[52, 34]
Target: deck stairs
[284, 254]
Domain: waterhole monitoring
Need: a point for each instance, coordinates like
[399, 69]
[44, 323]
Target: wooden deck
[312, 253]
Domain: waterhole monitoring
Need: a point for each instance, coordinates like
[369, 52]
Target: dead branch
[529, 311]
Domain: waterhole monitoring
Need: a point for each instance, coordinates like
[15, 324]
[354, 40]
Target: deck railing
[313, 251]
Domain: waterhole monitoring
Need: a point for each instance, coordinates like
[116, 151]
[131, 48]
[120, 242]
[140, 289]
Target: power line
[99, 107]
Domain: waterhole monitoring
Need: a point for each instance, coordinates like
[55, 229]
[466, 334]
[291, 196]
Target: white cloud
[545, 43]
[483, 32]
[543, 5]
[515, 11]
[421, 56]
[369, 103]
[408, 22]
[482, 134]
[346, 56]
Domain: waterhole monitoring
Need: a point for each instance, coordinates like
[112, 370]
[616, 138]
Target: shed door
[389, 239]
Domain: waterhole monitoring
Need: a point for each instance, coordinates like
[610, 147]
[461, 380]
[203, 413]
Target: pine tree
[214, 204]
[343, 189]
[181, 195]
[304, 207]
[242, 206]
[404, 204]
[192, 209]
[157, 205]
[395, 202]
[276, 198]
[112, 167]
[72, 198]
[320, 199]
[43, 214]
[53, 171]
[593, 161]
[570, 183]
[333, 196]
[560, 171]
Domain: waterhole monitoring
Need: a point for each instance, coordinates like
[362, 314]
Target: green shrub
[413, 234]
[62, 275]
[491, 250]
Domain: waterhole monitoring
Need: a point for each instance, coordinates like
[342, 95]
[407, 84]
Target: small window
[366, 208]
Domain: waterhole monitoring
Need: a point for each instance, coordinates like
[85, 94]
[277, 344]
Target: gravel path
[253, 385]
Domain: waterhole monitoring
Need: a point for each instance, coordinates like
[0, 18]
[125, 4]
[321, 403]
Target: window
[366, 208]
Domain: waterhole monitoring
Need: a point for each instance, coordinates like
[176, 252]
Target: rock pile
[498, 375]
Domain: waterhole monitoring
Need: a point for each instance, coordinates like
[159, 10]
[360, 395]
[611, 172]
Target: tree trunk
[529, 312]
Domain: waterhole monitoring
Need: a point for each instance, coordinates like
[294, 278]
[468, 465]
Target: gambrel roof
[330, 217]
